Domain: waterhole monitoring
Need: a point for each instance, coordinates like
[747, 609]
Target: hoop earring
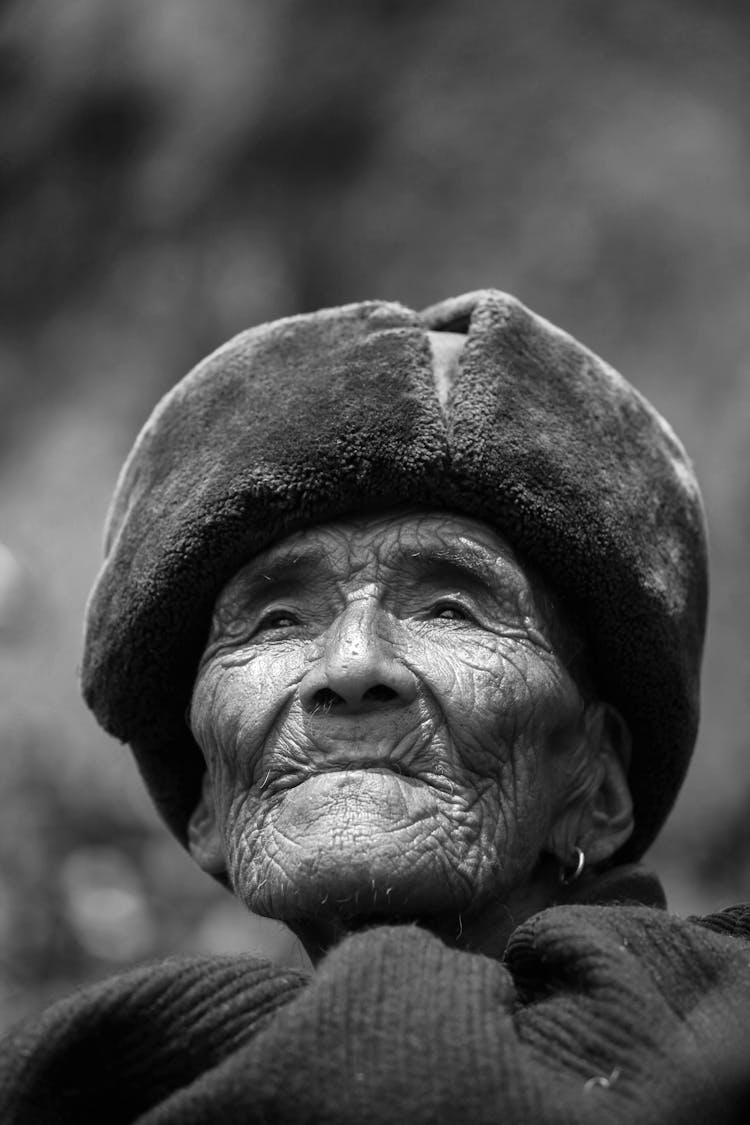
[565, 878]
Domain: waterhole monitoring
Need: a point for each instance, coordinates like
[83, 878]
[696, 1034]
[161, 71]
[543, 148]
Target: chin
[366, 878]
[352, 845]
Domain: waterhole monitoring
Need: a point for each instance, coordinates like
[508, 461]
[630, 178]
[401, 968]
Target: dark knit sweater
[598, 1013]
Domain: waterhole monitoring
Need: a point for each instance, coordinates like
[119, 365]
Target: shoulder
[734, 921]
[683, 953]
[667, 985]
[120, 1036]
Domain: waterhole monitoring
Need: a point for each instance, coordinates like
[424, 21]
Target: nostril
[325, 700]
[380, 693]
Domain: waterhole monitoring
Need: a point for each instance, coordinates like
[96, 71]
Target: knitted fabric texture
[319, 416]
[599, 1014]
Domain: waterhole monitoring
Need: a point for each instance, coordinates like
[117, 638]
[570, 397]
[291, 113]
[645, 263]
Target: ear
[598, 815]
[204, 838]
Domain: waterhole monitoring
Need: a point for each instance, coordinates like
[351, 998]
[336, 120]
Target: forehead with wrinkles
[387, 550]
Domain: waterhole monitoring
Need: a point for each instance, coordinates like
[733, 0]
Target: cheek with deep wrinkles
[239, 704]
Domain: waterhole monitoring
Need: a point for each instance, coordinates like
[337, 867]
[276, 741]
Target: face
[386, 724]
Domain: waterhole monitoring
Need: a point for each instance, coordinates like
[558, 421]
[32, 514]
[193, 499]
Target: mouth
[409, 750]
[278, 782]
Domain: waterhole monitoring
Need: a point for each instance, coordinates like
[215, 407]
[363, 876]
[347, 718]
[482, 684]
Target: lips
[280, 780]
[400, 742]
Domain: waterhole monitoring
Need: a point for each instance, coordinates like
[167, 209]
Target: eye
[276, 619]
[450, 611]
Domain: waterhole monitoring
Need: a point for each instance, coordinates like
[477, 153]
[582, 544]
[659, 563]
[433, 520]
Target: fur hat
[317, 416]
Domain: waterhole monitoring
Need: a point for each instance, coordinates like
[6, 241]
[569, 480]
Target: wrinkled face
[385, 721]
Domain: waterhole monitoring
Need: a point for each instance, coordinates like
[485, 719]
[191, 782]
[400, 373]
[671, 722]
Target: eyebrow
[465, 561]
[284, 566]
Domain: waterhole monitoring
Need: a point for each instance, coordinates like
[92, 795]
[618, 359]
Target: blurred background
[173, 171]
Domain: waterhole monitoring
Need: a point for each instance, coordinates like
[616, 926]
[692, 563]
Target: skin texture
[390, 732]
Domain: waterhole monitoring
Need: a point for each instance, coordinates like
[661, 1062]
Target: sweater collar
[630, 883]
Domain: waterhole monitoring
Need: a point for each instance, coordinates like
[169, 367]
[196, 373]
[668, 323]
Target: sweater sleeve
[114, 1049]
[599, 1015]
[646, 1015]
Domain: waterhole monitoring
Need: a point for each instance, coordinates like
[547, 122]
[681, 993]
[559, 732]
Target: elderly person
[402, 617]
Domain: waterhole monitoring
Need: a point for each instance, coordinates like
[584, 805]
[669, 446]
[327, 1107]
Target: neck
[485, 929]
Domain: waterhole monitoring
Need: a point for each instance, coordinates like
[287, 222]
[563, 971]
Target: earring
[566, 878]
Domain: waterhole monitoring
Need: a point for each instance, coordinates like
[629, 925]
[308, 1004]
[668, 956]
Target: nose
[359, 668]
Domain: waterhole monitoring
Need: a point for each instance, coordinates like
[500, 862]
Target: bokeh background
[173, 171]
